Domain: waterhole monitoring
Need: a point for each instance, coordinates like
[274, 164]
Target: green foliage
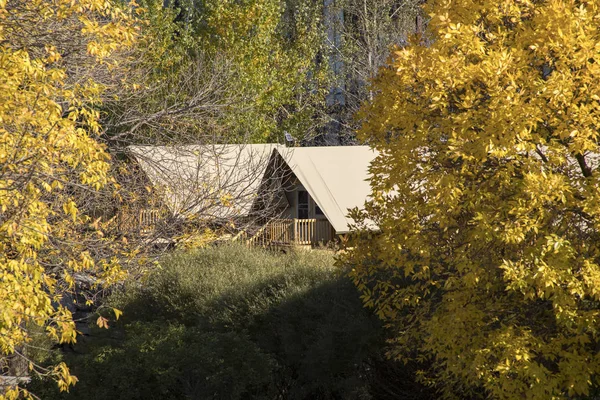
[486, 193]
[235, 71]
[274, 46]
[232, 322]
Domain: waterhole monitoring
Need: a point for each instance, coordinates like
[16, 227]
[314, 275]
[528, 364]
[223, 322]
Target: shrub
[235, 323]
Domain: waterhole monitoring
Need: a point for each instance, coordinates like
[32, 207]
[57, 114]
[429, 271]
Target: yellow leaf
[102, 322]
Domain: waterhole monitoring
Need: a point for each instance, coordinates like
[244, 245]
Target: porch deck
[293, 232]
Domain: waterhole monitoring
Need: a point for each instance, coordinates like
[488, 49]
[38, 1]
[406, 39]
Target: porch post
[295, 240]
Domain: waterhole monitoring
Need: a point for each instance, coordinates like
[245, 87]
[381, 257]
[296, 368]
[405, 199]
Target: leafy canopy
[273, 46]
[486, 193]
[47, 153]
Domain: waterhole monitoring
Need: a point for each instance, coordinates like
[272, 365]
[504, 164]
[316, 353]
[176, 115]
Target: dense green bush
[234, 323]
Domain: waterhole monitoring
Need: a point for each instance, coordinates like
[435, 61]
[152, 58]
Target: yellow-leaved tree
[486, 191]
[55, 63]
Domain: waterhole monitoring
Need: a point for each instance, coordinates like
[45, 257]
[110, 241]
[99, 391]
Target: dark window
[318, 210]
[302, 204]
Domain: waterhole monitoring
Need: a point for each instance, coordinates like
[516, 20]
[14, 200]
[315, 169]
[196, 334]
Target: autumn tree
[56, 61]
[486, 195]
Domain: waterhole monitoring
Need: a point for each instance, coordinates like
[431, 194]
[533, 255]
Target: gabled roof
[218, 181]
[335, 176]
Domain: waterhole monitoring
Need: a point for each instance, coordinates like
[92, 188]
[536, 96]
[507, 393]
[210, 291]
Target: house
[218, 182]
[313, 188]
[292, 196]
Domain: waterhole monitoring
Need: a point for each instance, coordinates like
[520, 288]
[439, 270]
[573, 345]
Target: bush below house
[237, 323]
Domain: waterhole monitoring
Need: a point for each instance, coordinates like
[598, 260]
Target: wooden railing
[259, 238]
[312, 231]
[293, 232]
[144, 221]
[281, 231]
[148, 218]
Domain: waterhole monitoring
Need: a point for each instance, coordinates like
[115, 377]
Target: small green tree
[486, 193]
[274, 46]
